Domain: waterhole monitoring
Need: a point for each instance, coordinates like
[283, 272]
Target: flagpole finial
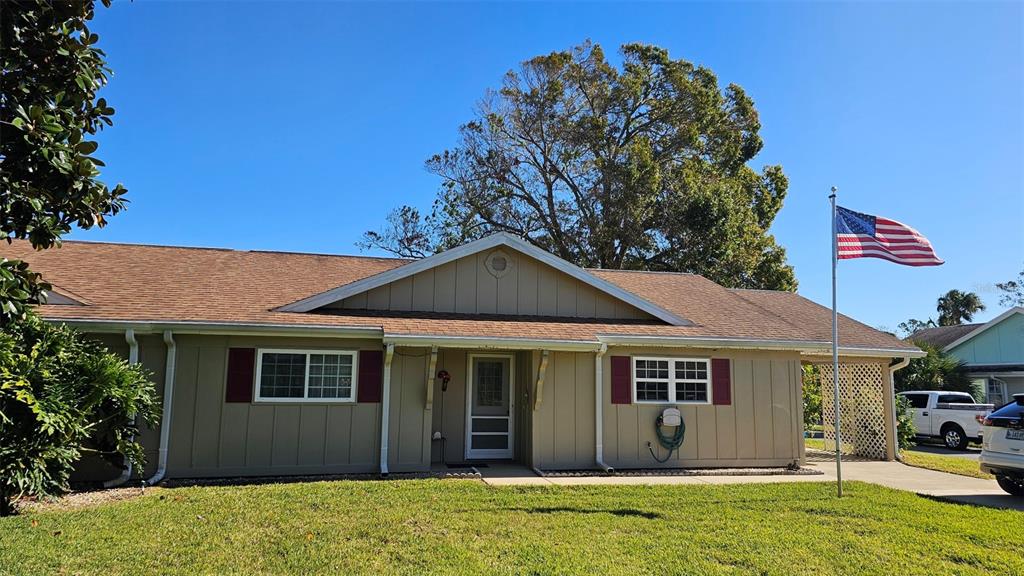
[834, 190]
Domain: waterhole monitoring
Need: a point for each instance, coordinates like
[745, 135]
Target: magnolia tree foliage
[62, 395]
[49, 114]
[638, 167]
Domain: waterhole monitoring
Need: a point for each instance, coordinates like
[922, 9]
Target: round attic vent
[498, 263]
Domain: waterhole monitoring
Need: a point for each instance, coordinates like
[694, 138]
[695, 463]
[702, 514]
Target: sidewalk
[951, 487]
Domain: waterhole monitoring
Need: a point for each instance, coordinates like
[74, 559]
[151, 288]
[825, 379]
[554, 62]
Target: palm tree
[956, 307]
[936, 371]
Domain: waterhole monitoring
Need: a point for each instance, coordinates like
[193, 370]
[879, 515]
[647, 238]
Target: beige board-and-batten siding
[763, 425]
[466, 286]
[213, 438]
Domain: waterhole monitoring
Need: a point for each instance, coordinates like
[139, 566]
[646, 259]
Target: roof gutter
[802, 346]
[823, 347]
[429, 340]
[221, 328]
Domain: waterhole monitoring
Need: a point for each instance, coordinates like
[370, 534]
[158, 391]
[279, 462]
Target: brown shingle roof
[127, 282]
[942, 336]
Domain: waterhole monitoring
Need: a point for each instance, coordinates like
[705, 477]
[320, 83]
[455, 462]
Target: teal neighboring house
[993, 352]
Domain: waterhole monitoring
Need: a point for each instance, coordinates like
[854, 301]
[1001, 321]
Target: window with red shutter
[241, 374]
[371, 375]
[622, 388]
[721, 381]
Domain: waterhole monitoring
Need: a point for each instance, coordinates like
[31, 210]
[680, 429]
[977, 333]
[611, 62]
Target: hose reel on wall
[669, 418]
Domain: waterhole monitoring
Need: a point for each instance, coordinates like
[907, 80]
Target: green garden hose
[670, 443]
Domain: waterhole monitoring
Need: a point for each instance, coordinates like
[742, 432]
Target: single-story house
[274, 363]
[993, 352]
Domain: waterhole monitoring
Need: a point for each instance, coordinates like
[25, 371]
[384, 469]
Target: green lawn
[464, 526]
[951, 464]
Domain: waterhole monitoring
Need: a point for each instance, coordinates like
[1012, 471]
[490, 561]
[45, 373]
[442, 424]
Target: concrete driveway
[971, 453]
[940, 485]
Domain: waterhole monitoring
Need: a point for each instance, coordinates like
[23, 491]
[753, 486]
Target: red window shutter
[622, 389]
[721, 381]
[241, 374]
[371, 375]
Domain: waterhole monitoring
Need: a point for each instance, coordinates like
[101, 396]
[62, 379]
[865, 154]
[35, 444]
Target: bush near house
[62, 395]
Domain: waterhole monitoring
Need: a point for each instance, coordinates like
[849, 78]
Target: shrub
[62, 395]
[905, 429]
[812, 396]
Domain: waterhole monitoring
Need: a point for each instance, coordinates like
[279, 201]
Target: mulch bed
[687, 472]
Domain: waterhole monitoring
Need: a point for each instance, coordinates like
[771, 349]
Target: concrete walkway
[951, 487]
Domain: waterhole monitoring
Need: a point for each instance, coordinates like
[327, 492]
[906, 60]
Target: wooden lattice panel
[862, 405]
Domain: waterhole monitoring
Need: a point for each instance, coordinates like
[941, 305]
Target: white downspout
[165, 418]
[892, 382]
[599, 409]
[133, 358]
[385, 412]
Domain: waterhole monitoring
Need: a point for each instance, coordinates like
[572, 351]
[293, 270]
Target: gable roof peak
[488, 242]
[979, 328]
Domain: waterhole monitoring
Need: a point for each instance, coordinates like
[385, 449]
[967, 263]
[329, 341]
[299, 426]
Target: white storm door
[489, 423]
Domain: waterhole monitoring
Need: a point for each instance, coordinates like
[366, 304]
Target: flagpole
[835, 350]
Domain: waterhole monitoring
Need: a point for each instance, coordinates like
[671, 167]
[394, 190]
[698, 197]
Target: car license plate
[1015, 434]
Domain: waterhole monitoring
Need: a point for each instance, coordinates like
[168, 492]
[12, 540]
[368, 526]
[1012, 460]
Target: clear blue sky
[296, 127]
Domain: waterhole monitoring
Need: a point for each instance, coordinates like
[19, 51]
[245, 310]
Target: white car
[952, 417]
[1002, 451]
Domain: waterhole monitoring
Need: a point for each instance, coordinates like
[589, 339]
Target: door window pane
[489, 383]
[490, 424]
[489, 442]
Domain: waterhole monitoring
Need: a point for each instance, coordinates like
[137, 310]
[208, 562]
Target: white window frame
[305, 390]
[672, 380]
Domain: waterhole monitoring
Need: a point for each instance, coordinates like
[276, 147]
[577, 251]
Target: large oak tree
[639, 167]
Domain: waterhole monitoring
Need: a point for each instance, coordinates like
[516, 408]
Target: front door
[489, 406]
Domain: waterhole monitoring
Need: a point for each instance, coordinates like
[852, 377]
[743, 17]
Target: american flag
[865, 236]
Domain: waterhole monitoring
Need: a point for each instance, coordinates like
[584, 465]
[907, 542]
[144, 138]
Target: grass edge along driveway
[465, 526]
[938, 462]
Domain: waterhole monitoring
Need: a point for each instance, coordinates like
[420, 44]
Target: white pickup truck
[951, 416]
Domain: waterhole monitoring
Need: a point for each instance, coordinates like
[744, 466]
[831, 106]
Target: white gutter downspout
[892, 381]
[133, 358]
[385, 409]
[165, 418]
[599, 409]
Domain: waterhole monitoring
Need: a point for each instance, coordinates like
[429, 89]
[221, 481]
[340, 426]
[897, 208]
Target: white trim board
[485, 243]
[983, 327]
